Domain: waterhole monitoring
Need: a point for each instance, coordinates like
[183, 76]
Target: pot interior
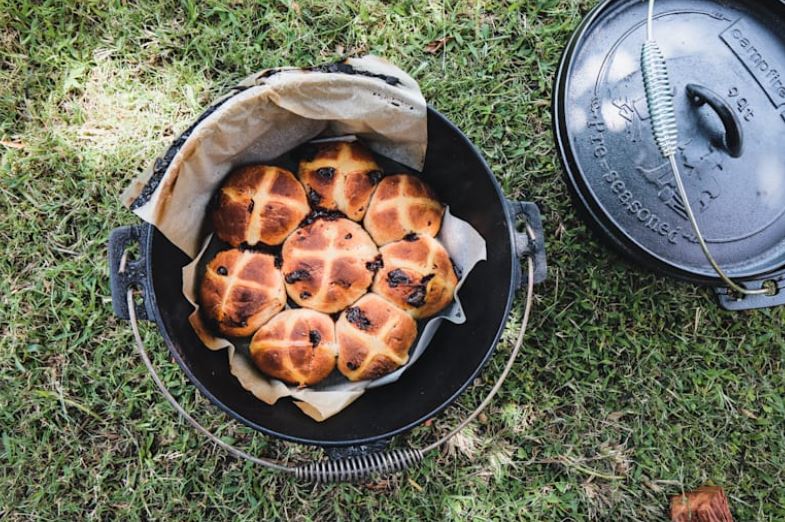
[459, 175]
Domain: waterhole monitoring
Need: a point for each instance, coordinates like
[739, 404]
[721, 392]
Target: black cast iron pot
[725, 60]
[458, 173]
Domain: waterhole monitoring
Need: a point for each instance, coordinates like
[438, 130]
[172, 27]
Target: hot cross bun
[259, 204]
[328, 264]
[374, 337]
[340, 176]
[240, 291]
[417, 275]
[402, 204]
[296, 346]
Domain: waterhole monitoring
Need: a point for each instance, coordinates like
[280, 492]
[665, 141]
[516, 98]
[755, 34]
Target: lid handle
[734, 140]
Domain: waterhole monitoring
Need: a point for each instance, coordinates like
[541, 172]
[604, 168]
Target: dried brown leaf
[437, 45]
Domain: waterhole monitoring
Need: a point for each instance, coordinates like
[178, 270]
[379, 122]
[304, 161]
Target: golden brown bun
[259, 203]
[417, 276]
[402, 204]
[240, 291]
[296, 346]
[374, 337]
[328, 264]
[340, 176]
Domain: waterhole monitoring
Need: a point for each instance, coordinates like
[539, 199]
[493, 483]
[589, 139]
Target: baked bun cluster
[259, 204]
[304, 239]
[340, 176]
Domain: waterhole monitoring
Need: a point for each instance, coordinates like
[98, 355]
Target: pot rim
[153, 304]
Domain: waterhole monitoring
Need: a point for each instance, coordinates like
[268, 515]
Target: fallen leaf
[379, 485]
[437, 45]
[12, 144]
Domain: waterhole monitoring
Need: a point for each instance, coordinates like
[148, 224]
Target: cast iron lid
[726, 62]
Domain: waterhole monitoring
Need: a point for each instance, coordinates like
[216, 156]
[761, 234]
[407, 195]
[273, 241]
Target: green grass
[630, 387]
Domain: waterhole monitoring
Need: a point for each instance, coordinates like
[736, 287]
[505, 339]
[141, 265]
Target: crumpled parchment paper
[274, 112]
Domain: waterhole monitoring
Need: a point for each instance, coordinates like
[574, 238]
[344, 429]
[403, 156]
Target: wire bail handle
[351, 469]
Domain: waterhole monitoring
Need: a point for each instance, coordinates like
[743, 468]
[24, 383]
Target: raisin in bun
[240, 291]
[328, 264]
[340, 176]
[259, 204]
[402, 204]
[296, 346]
[374, 337]
[417, 275]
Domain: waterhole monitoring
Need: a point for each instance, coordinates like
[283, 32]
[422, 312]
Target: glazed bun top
[402, 204]
[296, 346]
[417, 276]
[259, 204]
[240, 291]
[328, 264]
[374, 337]
[340, 176]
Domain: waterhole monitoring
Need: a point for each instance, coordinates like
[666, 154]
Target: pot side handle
[128, 270]
[523, 214]
[776, 281]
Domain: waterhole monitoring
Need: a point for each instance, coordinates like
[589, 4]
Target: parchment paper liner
[271, 113]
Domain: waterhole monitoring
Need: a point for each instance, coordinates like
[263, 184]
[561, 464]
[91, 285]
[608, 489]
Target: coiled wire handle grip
[659, 98]
[351, 469]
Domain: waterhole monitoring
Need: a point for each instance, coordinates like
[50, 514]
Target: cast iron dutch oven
[458, 173]
[726, 63]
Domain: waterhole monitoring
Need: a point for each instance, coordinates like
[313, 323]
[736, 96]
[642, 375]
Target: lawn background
[630, 387]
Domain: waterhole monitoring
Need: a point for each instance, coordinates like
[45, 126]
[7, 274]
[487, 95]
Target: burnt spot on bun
[297, 275]
[356, 317]
[416, 297]
[375, 265]
[352, 365]
[411, 236]
[314, 198]
[222, 271]
[348, 236]
[251, 205]
[397, 277]
[326, 173]
[321, 213]
[375, 176]
[314, 337]
[305, 295]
